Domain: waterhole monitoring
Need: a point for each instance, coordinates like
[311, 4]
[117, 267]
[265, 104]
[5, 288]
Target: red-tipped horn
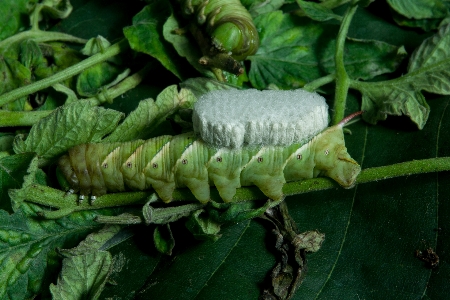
[348, 118]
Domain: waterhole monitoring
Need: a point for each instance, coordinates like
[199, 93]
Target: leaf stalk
[342, 79]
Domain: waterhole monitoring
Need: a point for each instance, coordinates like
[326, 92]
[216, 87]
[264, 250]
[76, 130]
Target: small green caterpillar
[228, 23]
[168, 162]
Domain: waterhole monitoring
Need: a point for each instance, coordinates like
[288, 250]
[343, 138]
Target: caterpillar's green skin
[228, 23]
[167, 162]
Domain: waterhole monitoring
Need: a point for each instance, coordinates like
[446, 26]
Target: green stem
[29, 118]
[314, 85]
[35, 16]
[122, 87]
[40, 36]
[56, 198]
[21, 118]
[372, 174]
[65, 74]
[342, 80]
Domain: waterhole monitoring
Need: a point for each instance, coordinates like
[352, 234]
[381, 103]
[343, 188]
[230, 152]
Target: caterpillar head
[332, 158]
[237, 36]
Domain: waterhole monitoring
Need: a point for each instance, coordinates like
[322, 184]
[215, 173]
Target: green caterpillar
[228, 23]
[168, 162]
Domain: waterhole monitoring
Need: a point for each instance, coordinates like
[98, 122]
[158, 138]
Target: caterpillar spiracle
[228, 23]
[168, 162]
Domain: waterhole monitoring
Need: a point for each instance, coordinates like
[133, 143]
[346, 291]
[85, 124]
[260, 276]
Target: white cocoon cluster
[235, 118]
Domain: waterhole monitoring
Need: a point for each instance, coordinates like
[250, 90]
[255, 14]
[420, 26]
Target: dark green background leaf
[12, 170]
[13, 17]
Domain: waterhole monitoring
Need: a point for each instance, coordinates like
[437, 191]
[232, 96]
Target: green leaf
[146, 35]
[258, 7]
[93, 242]
[317, 12]
[13, 17]
[202, 227]
[149, 114]
[99, 45]
[287, 55]
[199, 86]
[70, 125]
[227, 268]
[295, 51]
[102, 75]
[425, 24]
[336, 3]
[129, 273]
[163, 239]
[365, 59]
[27, 248]
[14, 75]
[431, 54]
[6, 140]
[83, 276]
[61, 56]
[31, 55]
[95, 45]
[419, 9]
[12, 170]
[184, 44]
[91, 80]
[428, 70]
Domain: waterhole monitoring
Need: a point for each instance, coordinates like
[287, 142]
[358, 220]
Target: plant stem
[40, 36]
[35, 16]
[65, 74]
[56, 198]
[21, 118]
[342, 80]
[372, 174]
[314, 85]
[122, 87]
[29, 118]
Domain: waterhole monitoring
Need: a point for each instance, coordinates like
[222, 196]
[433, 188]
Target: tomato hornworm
[168, 162]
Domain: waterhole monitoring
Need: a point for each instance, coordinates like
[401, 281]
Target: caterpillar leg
[200, 189]
[78, 164]
[272, 187]
[226, 186]
[69, 175]
[162, 188]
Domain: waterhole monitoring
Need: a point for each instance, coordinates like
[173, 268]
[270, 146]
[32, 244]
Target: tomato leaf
[83, 276]
[70, 125]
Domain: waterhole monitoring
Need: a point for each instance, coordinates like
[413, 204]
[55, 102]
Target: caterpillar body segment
[228, 23]
[168, 162]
